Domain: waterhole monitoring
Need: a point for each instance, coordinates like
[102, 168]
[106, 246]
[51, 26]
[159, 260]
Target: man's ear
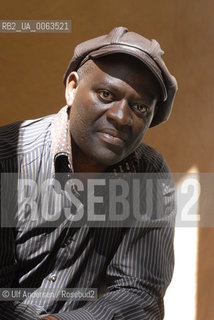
[71, 87]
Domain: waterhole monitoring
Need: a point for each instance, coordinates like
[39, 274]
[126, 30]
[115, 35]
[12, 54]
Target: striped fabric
[134, 264]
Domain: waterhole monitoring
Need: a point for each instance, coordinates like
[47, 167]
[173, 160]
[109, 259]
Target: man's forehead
[116, 63]
[120, 61]
[121, 67]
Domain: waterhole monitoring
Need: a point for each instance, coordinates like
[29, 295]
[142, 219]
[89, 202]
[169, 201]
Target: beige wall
[32, 66]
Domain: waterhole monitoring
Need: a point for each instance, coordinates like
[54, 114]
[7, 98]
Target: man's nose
[120, 113]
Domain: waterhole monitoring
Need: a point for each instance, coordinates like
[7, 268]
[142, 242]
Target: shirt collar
[60, 137]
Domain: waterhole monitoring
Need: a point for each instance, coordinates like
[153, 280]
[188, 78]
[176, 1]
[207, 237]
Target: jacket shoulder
[23, 136]
[150, 160]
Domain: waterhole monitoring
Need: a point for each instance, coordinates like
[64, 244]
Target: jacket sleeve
[137, 278]
[139, 273]
[13, 310]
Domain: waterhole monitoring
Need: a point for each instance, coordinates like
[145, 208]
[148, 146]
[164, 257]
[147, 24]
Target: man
[117, 86]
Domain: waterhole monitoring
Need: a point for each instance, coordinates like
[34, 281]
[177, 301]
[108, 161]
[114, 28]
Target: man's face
[113, 106]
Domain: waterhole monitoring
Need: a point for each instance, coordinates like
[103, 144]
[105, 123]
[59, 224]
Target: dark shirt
[136, 264]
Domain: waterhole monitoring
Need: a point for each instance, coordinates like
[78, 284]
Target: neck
[82, 163]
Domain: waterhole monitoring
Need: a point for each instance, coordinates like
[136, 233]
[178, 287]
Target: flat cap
[149, 52]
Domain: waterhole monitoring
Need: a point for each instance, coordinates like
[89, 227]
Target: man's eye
[105, 95]
[141, 108]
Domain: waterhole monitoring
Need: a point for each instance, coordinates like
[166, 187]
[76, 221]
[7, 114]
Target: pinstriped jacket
[135, 263]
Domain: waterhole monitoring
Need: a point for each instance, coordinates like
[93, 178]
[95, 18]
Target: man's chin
[109, 160]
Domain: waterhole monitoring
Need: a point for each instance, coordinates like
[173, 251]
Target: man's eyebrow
[109, 84]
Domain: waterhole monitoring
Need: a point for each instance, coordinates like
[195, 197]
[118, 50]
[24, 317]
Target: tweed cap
[120, 40]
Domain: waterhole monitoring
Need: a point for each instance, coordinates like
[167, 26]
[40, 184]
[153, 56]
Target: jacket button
[53, 277]
[68, 241]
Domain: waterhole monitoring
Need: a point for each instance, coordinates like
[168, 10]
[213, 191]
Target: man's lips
[112, 136]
